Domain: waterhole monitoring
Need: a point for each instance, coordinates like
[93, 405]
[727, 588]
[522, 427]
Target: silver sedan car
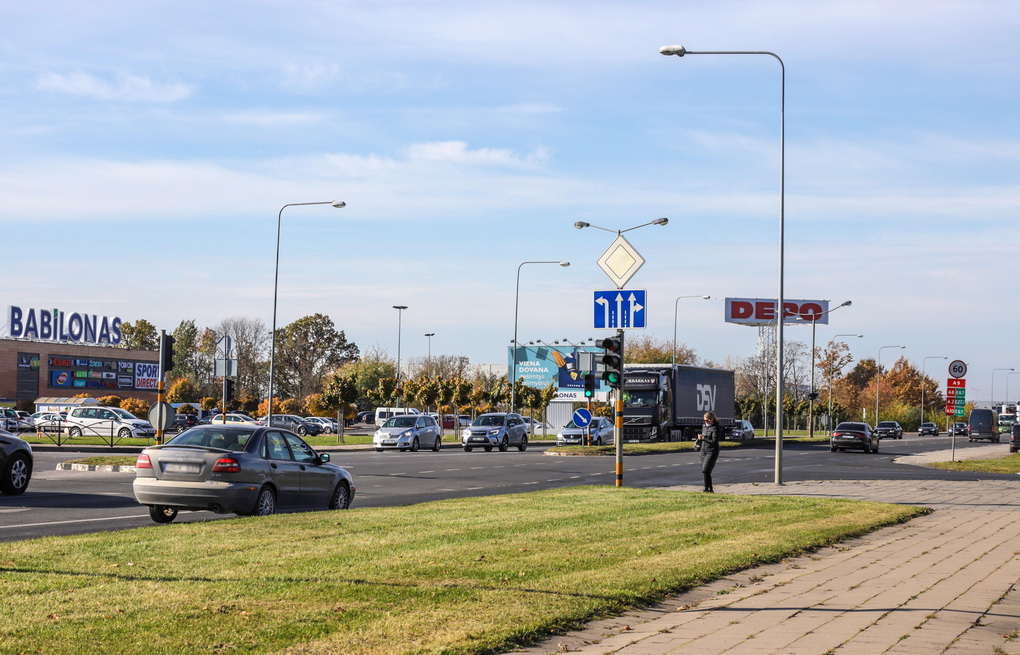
[601, 429]
[408, 432]
[496, 430]
[238, 469]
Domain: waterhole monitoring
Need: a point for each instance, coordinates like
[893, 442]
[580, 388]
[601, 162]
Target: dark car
[928, 429]
[983, 424]
[959, 429]
[1014, 438]
[238, 469]
[889, 429]
[184, 421]
[15, 464]
[295, 424]
[496, 429]
[858, 436]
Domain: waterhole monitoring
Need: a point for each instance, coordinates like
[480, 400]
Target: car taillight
[143, 462]
[226, 465]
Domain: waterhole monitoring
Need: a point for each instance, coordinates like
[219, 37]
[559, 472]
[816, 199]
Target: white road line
[107, 518]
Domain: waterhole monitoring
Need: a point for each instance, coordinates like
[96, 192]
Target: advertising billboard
[762, 311]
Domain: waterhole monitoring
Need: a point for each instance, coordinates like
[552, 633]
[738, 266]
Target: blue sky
[149, 146]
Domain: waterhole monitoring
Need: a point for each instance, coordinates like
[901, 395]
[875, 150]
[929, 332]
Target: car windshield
[854, 427]
[123, 413]
[887, 424]
[401, 422]
[213, 437]
[490, 419]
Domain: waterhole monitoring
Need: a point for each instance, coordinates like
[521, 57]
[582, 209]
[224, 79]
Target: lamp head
[677, 50]
[339, 203]
[705, 297]
[564, 264]
[660, 221]
[581, 225]
[847, 303]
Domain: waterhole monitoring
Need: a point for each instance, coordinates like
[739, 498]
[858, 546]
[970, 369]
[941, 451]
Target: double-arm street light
[400, 314]
[992, 404]
[517, 302]
[276, 285]
[811, 397]
[923, 362]
[831, 426]
[680, 51]
[878, 374]
[659, 221]
[676, 306]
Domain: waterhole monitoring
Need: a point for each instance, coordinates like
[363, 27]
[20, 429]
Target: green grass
[1008, 464]
[106, 460]
[674, 446]
[474, 575]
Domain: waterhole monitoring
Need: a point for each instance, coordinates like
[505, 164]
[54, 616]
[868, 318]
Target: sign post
[956, 396]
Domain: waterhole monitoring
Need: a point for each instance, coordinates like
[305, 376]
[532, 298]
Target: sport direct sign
[762, 311]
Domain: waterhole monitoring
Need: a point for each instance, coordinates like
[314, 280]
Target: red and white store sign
[760, 311]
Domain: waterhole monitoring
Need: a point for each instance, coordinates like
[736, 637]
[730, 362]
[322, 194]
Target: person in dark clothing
[709, 442]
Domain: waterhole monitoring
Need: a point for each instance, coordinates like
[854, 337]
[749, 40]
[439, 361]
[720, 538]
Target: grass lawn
[1008, 464]
[474, 575]
[674, 446]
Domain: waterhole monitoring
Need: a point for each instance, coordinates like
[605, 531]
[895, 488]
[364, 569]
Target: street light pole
[276, 285]
[878, 374]
[830, 376]
[400, 314]
[680, 51]
[992, 404]
[517, 302]
[923, 362]
[811, 397]
[1007, 388]
[676, 306]
[428, 360]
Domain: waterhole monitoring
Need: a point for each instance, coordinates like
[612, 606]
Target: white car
[46, 421]
[600, 428]
[233, 419]
[107, 422]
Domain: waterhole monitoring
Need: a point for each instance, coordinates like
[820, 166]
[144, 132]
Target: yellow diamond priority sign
[621, 261]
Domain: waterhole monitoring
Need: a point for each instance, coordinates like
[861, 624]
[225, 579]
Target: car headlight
[494, 433]
[406, 434]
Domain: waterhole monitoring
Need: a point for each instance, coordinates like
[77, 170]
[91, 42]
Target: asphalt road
[76, 502]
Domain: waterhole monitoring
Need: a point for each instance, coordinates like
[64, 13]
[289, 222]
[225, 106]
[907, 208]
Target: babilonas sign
[55, 325]
[762, 311]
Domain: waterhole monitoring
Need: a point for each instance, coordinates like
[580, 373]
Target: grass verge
[1008, 464]
[672, 446]
[475, 575]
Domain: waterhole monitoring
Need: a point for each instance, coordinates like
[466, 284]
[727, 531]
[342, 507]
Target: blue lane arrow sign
[620, 309]
[582, 417]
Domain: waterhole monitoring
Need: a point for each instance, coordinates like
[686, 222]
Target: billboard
[539, 366]
[762, 311]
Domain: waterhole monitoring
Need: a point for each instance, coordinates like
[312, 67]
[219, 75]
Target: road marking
[108, 518]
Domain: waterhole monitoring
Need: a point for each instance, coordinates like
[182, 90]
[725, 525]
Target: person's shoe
[709, 491]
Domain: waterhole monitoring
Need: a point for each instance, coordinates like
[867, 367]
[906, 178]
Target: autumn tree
[648, 350]
[306, 350]
[140, 335]
[251, 349]
[136, 406]
[182, 390]
[109, 401]
[373, 366]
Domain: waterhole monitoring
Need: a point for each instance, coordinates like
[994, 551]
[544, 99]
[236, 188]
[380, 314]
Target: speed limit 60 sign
[958, 368]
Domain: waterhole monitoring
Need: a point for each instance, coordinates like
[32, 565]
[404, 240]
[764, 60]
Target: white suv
[107, 422]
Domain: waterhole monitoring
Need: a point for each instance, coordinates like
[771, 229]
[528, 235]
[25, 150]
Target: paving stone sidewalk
[943, 583]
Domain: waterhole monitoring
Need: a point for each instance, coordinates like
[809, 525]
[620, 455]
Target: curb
[103, 468]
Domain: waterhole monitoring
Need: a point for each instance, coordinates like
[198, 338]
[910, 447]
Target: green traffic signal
[589, 385]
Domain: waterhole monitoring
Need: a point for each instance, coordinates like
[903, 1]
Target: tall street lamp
[1007, 386]
[276, 285]
[680, 51]
[878, 374]
[428, 360]
[830, 377]
[923, 362]
[400, 315]
[517, 302]
[676, 306]
[811, 397]
[993, 384]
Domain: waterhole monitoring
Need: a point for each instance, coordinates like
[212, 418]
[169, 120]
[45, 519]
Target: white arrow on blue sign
[620, 309]
[582, 417]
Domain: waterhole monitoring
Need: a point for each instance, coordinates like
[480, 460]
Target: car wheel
[598, 441]
[162, 513]
[265, 504]
[488, 449]
[437, 444]
[124, 433]
[875, 449]
[832, 449]
[341, 498]
[504, 445]
[378, 450]
[302, 431]
[74, 432]
[523, 445]
[16, 475]
[415, 445]
[467, 449]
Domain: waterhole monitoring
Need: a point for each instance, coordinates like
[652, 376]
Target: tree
[306, 350]
[110, 401]
[448, 366]
[187, 409]
[385, 392]
[186, 353]
[292, 406]
[372, 367]
[182, 390]
[648, 350]
[251, 345]
[136, 406]
[341, 390]
[140, 335]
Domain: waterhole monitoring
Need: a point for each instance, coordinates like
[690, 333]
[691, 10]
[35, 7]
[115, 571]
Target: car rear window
[213, 437]
[857, 427]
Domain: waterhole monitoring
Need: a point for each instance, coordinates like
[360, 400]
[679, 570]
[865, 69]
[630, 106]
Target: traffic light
[589, 385]
[166, 352]
[612, 359]
[228, 388]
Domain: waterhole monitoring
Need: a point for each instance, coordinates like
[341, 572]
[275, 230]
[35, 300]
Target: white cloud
[126, 87]
[458, 152]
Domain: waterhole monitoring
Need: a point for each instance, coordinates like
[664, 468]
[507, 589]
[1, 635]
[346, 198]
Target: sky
[148, 149]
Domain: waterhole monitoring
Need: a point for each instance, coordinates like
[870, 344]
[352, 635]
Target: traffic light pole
[619, 418]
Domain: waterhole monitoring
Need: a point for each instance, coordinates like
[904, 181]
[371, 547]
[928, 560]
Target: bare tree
[251, 347]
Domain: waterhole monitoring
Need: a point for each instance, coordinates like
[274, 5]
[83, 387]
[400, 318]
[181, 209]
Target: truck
[667, 402]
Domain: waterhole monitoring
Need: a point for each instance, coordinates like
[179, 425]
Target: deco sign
[55, 325]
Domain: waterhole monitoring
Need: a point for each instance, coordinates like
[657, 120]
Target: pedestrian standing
[709, 442]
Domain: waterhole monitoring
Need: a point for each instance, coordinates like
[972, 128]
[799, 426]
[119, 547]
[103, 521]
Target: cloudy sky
[148, 148]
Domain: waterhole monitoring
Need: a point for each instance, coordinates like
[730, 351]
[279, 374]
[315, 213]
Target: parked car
[983, 424]
[15, 464]
[238, 469]
[535, 426]
[498, 429]
[741, 430]
[383, 414]
[858, 436]
[600, 428]
[366, 417]
[889, 429]
[1014, 438]
[928, 429]
[329, 426]
[11, 421]
[46, 421]
[958, 429]
[408, 432]
[105, 422]
[294, 423]
[184, 421]
[235, 419]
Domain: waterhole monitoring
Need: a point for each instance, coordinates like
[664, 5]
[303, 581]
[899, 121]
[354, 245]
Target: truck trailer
[667, 402]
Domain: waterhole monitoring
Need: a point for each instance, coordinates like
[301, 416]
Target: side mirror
[323, 458]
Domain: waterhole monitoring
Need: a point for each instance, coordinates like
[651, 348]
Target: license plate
[174, 467]
[389, 443]
[477, 439]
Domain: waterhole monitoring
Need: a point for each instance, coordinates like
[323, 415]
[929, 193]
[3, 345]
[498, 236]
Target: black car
[928, 429]
[1014, 438]
[889, 429]
[184, 421]
[858, 436]
[959, 429]
[15, 464]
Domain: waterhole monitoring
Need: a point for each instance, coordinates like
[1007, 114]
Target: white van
[93, 421]
[382, 414]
